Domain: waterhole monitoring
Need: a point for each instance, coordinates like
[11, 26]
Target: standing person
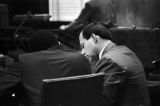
[125, 81]
[94, 11]
[47, 59]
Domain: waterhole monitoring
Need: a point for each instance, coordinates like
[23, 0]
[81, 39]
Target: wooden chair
[84, 90]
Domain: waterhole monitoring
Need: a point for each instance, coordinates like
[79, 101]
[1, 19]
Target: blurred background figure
[94, 11]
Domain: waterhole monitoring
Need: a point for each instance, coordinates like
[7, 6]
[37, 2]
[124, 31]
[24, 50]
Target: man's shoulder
[29, 56]
[118, 49]
[118, 52]
[74, 55]
[59, 53]
[124, 57]
[26, 55]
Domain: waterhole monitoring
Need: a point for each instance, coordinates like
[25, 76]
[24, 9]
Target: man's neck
[104, 44]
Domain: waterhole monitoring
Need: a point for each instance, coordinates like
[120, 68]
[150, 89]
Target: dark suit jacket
[52, 63]
[94, 11]
[9, 82]
[125, 82]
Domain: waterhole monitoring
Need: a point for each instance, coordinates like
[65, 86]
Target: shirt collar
[106, 44]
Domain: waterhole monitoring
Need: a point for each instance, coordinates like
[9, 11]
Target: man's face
[88, 46]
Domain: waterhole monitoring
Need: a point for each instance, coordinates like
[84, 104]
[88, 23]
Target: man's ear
[94, 37]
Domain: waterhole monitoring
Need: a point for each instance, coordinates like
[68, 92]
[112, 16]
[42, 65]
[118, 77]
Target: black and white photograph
[79, 52]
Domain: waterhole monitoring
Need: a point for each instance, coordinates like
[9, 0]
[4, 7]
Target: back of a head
[98, 29]
[41, 40]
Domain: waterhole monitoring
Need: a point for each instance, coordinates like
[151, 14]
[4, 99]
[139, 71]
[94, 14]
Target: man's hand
[2, 60]
[63, 27]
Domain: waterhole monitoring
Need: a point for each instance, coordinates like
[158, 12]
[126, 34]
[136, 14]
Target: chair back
[84, 90]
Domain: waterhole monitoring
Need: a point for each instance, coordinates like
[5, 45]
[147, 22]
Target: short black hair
[98, 29]
[41, 40]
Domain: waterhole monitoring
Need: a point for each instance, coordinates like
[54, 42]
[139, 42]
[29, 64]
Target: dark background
[138, 12]
[129, 12]
[23, 6]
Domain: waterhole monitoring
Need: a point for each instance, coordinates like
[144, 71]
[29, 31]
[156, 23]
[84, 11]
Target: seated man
[125, 82]
[48, 59]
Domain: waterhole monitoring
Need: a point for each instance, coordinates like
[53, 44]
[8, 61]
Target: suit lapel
[108, 48]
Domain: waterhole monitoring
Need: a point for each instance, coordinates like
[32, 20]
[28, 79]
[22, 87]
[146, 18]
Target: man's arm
[9, 79]
[114, 79]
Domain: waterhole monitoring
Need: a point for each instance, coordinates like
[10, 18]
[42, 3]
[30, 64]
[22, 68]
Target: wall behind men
[138, 12]
[144, 41]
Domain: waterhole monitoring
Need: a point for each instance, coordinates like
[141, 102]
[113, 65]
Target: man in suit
[125, 81]
[47, 59]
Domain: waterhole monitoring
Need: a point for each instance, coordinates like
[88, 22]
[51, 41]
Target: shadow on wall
[138, 12]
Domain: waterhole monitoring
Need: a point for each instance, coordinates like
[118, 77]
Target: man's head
[41, 40]
[93, 37]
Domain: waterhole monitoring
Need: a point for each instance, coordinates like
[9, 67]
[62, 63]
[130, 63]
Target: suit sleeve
[114, 79]
[9, 79]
